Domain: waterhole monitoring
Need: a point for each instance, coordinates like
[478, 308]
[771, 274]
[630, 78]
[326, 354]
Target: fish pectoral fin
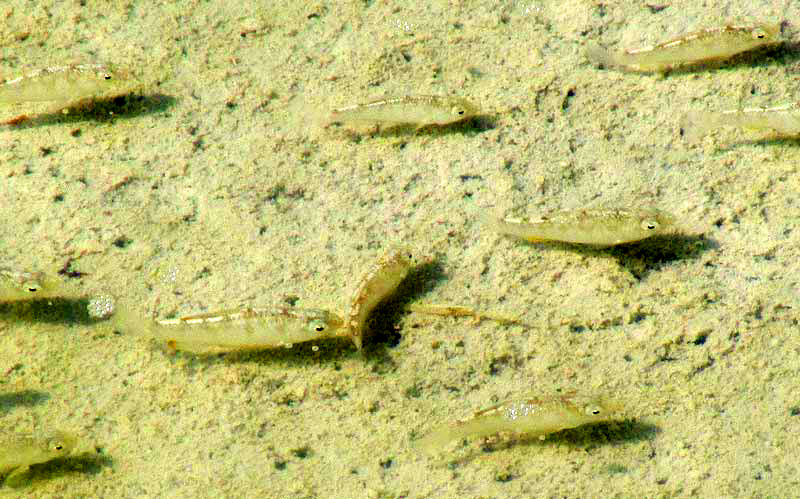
[531, 239]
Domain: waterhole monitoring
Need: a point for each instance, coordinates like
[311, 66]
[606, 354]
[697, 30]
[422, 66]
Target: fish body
[18, 452]
[785, 120]
[236, 330]
[66, 85]
[713, 44]
[528, 415]
[599, 227]
[419, 110]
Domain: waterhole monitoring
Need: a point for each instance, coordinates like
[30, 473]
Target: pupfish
[459, 311]
[378, 283]
[19, 452]
[785, 120]
[235, 330]
[599, 227]
[417, 110]
[535, 416]
[67, 86]
[18, 285]
[712, 44]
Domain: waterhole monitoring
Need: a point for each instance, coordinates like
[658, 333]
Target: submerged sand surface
[218, 187]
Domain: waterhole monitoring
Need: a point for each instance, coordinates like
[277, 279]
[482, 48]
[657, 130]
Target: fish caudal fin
[600, 56]
[696, 124]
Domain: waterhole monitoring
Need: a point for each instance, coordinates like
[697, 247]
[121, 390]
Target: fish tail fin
[696, 124]
[517, 230]
[437, 438]
[120, 314]
[497, 224]
[600, 56]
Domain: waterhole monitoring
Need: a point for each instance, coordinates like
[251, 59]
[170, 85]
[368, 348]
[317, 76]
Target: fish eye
[759, 34]
[649, 224]
[457, 110]
[57, 445]
[32, 286]
[319, 326]
[106, 76]
[592, 410]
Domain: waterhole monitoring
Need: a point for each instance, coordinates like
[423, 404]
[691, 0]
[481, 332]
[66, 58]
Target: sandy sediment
[214, 188]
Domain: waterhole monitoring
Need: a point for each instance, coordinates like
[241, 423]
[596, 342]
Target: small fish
[599, 227]
[418, 110]
[67, 86]
[529, 415]
[459, 311]
[378, 283]
[233, 330]
[785, 120]
[19, 452]
[23, 285]
[712, 44]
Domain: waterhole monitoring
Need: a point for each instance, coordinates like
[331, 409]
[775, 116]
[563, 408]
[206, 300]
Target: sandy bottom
[216, 186]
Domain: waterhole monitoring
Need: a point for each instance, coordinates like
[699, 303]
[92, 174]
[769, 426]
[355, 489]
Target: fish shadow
[470, 127]
[22, 398]
[592, 435]
[651, 254]
[87, 463]
[101, 110]
[642, 257]
[66, 311]
[788, 52]
[610, 433]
